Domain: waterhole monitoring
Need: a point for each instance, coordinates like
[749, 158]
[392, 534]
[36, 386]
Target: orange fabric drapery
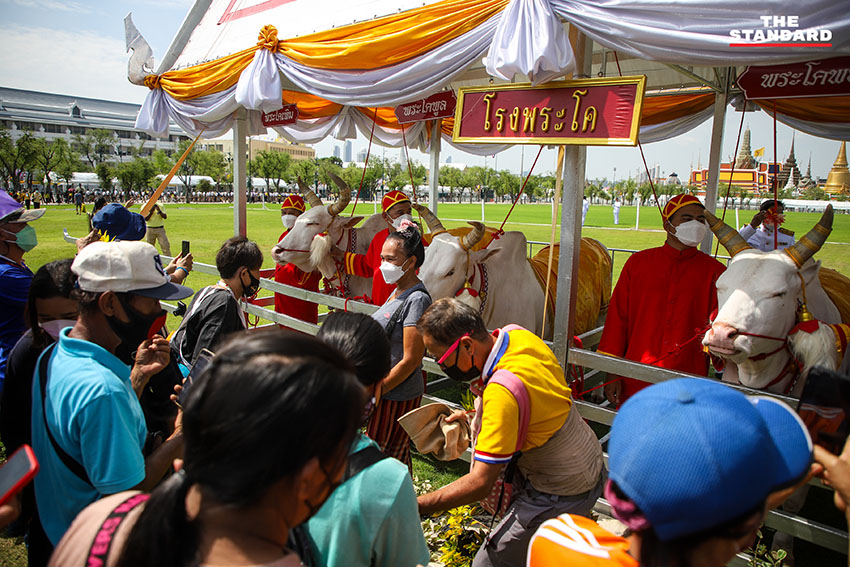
[311, 106]
[660, 109]
[392, 39]
[367, 45]
[812, 109]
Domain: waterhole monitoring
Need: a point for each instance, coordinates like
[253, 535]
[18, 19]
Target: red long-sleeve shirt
[660, 310]
[368, 265]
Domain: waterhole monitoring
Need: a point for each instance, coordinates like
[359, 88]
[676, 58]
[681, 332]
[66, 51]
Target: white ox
[513, 293]
[760, 298]
[309, 242]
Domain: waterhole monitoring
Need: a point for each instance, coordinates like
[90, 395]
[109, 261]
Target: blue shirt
[95, 416]
[370, 519]
[15, 282]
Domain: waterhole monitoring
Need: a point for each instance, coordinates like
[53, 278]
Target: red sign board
[827, 77]
[592, 112]
[440, 105]
[286, 115]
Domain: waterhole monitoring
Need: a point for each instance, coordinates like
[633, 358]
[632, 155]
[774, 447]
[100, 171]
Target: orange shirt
[576, 541]
[290, 274]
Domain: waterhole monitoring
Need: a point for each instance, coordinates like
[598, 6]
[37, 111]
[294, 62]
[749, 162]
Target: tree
[162, 162]
[815, 194]
[97, 146]
[450, 177]
[190, 166]
[305, 169]
[49, 154]
[215, 165]
[16, 156]
[506, 183]
[136, 175]
[105, 173]
[271, 166]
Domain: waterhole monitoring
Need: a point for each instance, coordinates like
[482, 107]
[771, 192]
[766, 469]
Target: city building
[347, 154]
[361, 155]
[53, 116]
[337, 152]
[256, 145]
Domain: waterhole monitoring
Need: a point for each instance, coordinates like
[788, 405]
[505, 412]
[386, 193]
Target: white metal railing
[814, 532]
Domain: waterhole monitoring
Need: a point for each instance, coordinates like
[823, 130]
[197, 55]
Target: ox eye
[779, 294]
[451, 273]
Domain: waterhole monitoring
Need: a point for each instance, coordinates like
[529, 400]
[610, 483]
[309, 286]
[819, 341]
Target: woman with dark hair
[267, 429]
[401, 255]
[49, 309]
[372, 518]
[694, 466]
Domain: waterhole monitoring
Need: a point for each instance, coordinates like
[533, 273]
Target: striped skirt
[383, 428]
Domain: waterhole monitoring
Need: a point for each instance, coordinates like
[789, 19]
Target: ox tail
[320, 255]
[816, 348]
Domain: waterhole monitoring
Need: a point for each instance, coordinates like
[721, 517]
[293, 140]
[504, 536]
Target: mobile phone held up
[18, 471]
[825, 408]
[185, 250]
[201, 363]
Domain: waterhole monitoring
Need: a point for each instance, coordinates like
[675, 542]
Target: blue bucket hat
[119, 223]
[693, 454]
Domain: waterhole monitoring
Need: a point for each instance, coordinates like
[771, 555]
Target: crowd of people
[287, 449]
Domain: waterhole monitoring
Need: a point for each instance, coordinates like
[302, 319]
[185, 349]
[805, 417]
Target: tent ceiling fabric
[368, 53]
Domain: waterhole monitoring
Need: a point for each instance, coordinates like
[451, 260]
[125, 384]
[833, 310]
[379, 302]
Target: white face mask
[397, 222]
[691, 233]
[52, 328]
[288, 220]
[391, 272]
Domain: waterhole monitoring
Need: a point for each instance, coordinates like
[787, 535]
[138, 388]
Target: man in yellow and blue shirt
[524, 406]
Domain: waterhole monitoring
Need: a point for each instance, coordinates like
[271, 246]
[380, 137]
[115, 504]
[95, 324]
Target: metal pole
[240, 130]
[637, 220]
[720, 103]
[434, 172]
[575, 159]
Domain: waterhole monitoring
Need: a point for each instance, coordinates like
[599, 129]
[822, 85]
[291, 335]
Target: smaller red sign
[440, 105]
[286, 115]
[827, 77]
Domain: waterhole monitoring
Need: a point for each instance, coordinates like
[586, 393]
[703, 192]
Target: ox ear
[809, 271]
[348, 222]
[483, 255]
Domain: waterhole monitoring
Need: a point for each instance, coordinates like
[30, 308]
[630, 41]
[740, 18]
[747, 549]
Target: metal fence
[597, 366]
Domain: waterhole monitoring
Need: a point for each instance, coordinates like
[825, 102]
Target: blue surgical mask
[25, 238]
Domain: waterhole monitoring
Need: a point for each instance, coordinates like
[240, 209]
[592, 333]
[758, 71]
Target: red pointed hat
[393, 198]
[293, 202]
[677, 203]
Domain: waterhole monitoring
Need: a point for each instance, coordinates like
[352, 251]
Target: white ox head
[307, 244]
[758, 294]
[449, 263]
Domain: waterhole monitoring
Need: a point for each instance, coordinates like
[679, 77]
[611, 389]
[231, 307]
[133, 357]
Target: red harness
[792, 366]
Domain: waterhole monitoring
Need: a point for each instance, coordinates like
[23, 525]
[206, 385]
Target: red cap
[293, 202]
[677, 203]
[393, 198]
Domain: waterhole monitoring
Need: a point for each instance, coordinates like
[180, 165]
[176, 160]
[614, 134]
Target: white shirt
[762, 238]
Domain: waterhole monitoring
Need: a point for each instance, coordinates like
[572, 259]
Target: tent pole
[717, 128]
[575, 159]
[434, 171]
[239, 174]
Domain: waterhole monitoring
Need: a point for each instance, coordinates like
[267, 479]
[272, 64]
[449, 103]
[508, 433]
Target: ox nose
[723, 334]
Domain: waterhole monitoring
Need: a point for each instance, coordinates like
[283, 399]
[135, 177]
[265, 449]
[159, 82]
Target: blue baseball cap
[119, 223]
[693, 454]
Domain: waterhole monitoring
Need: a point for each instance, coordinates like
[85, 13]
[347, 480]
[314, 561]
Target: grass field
[207, 226]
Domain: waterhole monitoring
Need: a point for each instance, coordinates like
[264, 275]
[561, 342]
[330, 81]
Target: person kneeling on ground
[267, 430]
[372, 518]
[525, 415]
[695, 465]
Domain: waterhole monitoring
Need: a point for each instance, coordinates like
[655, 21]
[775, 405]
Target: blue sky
[77, 48]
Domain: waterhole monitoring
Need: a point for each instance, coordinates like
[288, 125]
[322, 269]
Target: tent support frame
[721, 100]
[434, 170]
[240, 177]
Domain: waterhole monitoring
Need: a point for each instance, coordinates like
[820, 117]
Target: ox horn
[311, 197]
[473, 237]
[344, 195]
[812, 241]
[731, 240]
[434, 224]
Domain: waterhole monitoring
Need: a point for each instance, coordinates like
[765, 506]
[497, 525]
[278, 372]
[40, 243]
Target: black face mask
[459, 375]
[134, 332]
[252, 289]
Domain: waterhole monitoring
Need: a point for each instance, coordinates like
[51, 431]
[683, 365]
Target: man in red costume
[663, 299]
[289, 274]
[396, 206]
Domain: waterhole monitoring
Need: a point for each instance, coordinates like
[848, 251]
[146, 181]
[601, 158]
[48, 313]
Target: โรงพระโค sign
[592, 112]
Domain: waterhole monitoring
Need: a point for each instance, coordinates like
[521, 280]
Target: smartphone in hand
[825, 408]
[203, 360]
[185, 251]
[18, 471]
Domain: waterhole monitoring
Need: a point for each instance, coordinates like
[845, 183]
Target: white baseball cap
[125, 266]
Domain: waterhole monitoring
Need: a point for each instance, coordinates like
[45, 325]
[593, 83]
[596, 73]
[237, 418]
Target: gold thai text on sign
[580, 112]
